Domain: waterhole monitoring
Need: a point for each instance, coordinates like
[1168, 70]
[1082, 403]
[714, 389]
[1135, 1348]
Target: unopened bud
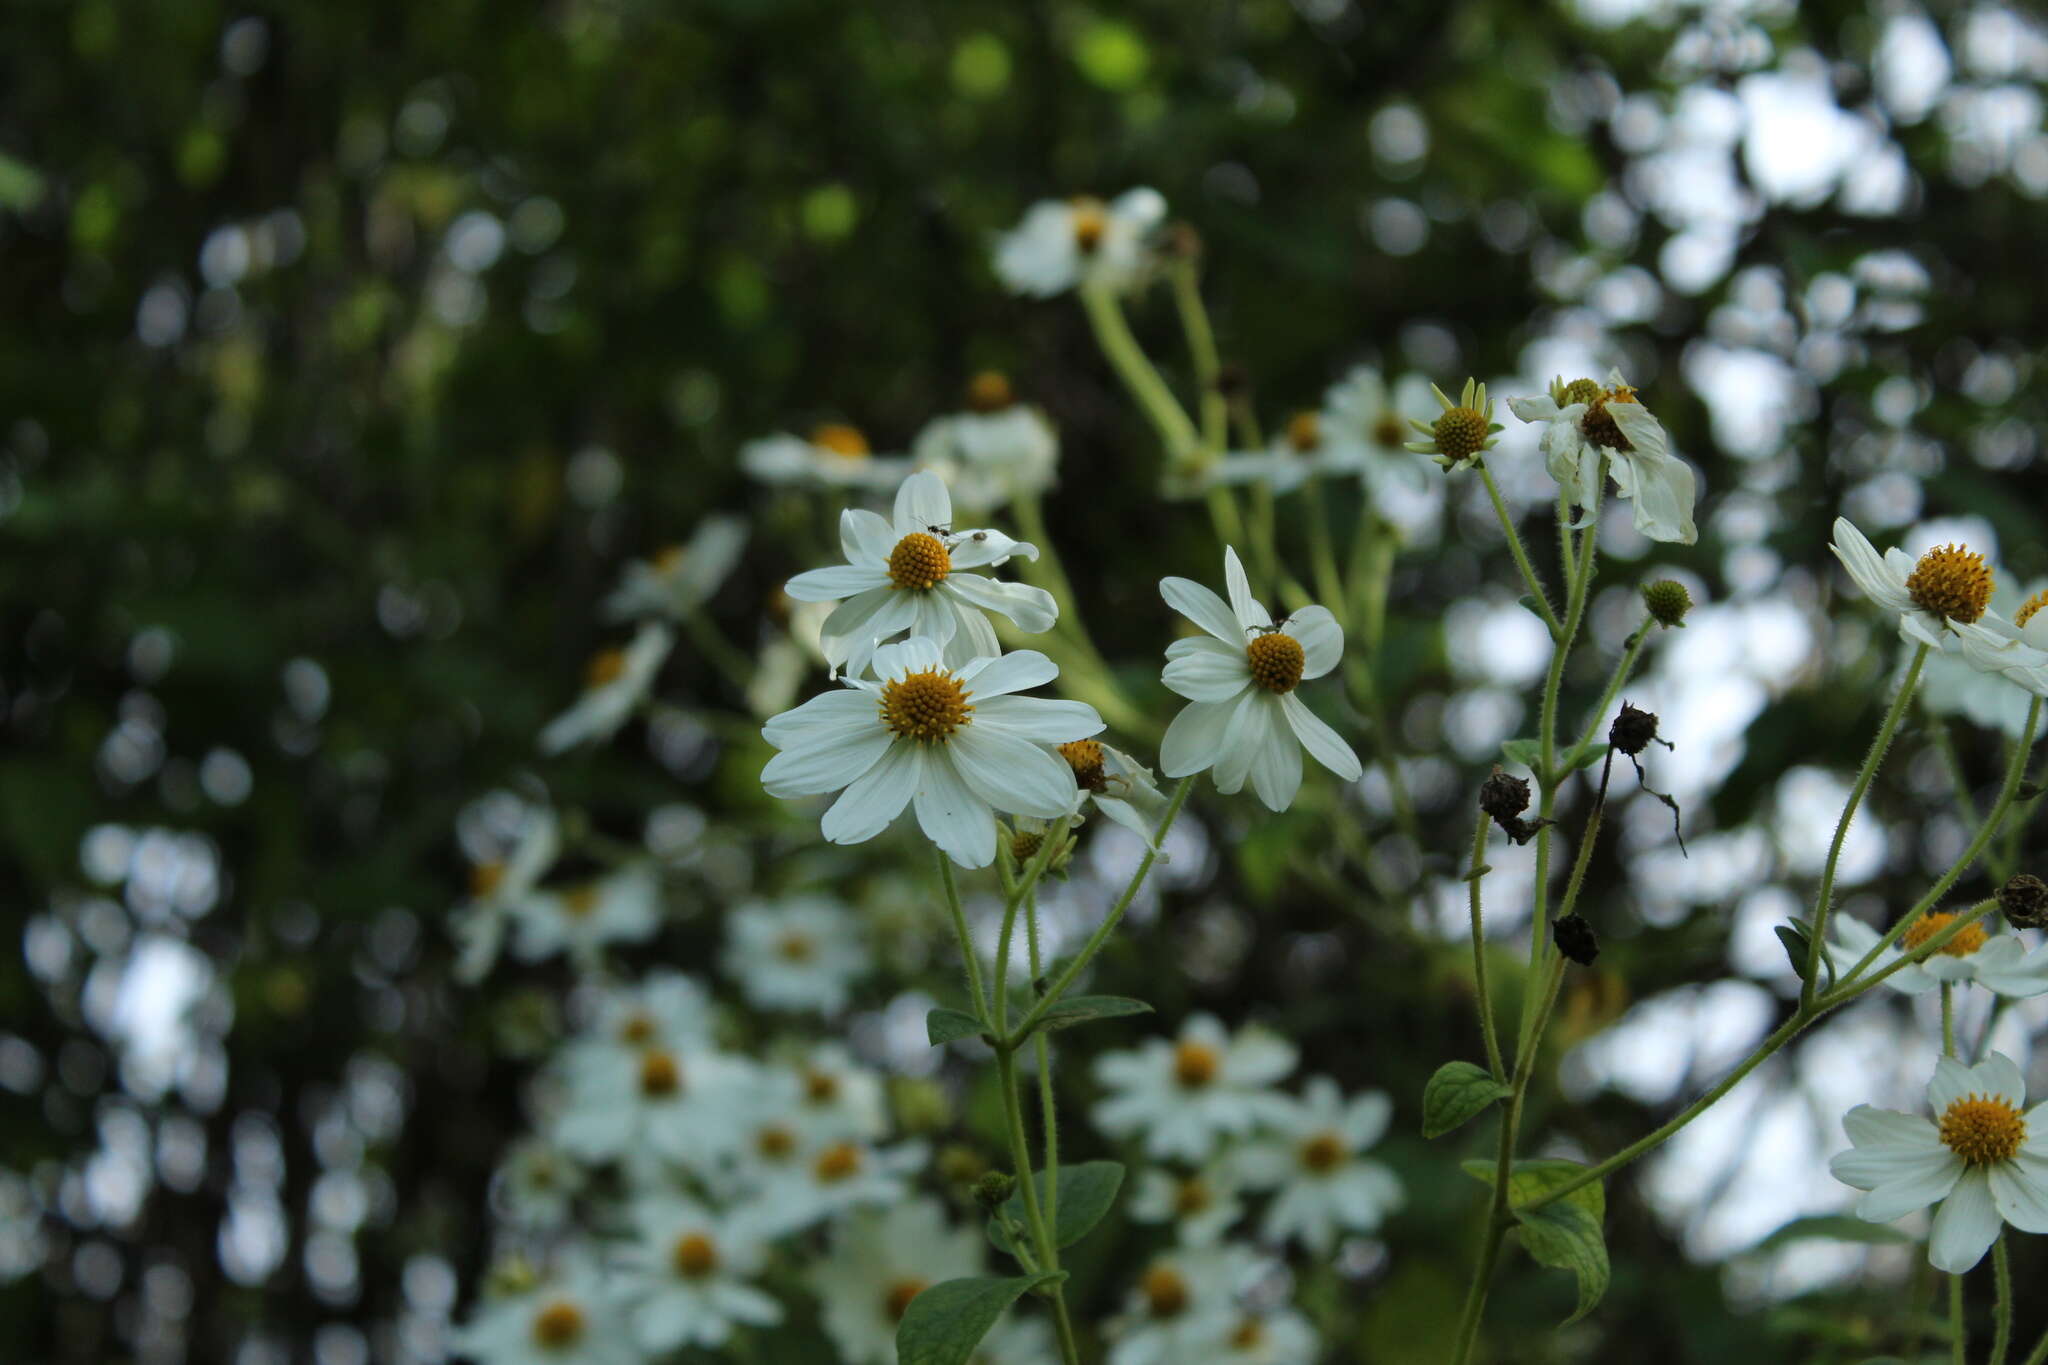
[1668, 601]
[994, 1189]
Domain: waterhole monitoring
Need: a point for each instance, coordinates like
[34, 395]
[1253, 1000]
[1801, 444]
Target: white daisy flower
[952, 741]
[624, 907]
[572, 1316]
[635, 1100]
[690, 1274]
[2017, 650]
[1948, 586]
[680, 578]
[999, 449]
[1584, 422]
[1121, 787]
[1187, 1306]
[666, 1009]
[502, 892]
[1201, 1205]
[1245, 719]
[1365, 424]
[801, 954]
[837, 1097]
[617, 682]
[537, 1184]
[826, 1177]
[1982, 1158]
[1280, 1336]
[1312, 1157]
[1185, 1095]
[910, 575]
[834, 456]
[1064, 243]
[880, 1261]
[1997, 962]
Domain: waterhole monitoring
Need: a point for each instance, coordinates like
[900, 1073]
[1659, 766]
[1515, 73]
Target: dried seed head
[1632, 730]
[1503, 795]
[1667, 601]
[2024, 899]
[1598, 424]
[1575, 939]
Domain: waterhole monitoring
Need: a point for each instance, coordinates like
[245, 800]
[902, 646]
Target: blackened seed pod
[1574, 938]
[1503, 795]
[1632, 730]
[2024, 899]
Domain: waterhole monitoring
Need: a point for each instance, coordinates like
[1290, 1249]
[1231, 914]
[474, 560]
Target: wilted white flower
[953, 742]
[799, 954]
[623, 907]
[834, 456]
[1584, 423]
[616, 683]
[1312, 1159]
[912, 575]
[573, 1315]
[999, 449]
[1948, 586]
[880, 1261]
[690, 1276]
[1201, 1205]
[1121, 787]
[502, 893]
[1064, 243]
[1997, 962]
[1245, 718]
[1184, 1095]
[1982, 1157]
[680, 578]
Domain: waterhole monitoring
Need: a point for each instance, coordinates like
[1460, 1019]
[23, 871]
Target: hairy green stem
[1958, 1329]
[1127, 357]
[2001, 1267]
[1481, 995]
[1048, 1113]
[966, 940]
[1194, 322]
[1514, 538]
[1622, 670]
[1034, 1215]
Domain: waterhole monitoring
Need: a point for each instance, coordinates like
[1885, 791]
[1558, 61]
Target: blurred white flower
[1983, 1158]
[880, 1261]
[622, 907]
[1064, 243]
[1312, 1157]
[836, 1097]
[680, 578]
[573, 1315]
[1185, 1095]
[1202, 1205]
[1977, 685]
[1364, 427]
[910, 575]
[689, 1276]
[998, 450]
[1245, 719]
[666, 1009]
[617, 682]
[502, 893]
[834, 456]
[800, 954]
[538, 1183]
[914, 736]
[1584, 423]
[826, 1177]
[633, 1101]
[1186, 1306]
[1997, 962]
[1947, 584]
[2016, 650]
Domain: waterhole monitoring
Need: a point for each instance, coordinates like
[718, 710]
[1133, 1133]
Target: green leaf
[1527, 752]
[1080, 1009]
[1565, 1236]
[1455, 1094]
[1832, 1227]
[1585, 756]
[1796, 947]
[1535, 608]
[943, 1026]
[1087, 1190]
[944, 1324]
[1538, 1175]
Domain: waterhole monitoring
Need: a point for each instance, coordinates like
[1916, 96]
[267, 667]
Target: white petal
[1195, 738]
[865, 809]
[1276, 762]
[838, 581]
[1924, 1177]
[1031, 610]
[1009, 772]
[1997, 1075]
[1246, 607]
[2020, 1190]
[1879, 583]
[1965, 1226]
[1240, 742]
[825, 762]
[1216, 674]
[1320, 637]
[973, 549]
[1203, 607]
[1042, 720]
[1541, 408]
[865, 537]
[918, 654]
[1952, 1081]
[1013, 672]
[952, 816]
[1324, 745]
[1867, 1126]
[922, 501]
[1663, 490]
[840, 709]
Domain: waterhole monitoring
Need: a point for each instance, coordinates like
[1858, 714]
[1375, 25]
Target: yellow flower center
[484, 878]
[1967, 940]
[1166, 1293]
[840, 1161]
[2029, 607]
[1091, 221]
[774, 1142]
[926, 706]
[607, 665]
[669, 560]
[795, 948]
[1191, 1196]
[820, 1087]
[1324, 1153]
[1304, 432]
[919, 561]
[695, 1256]
[1276, 660]
[1982, 1129]
[1598, 424]
[579, 901]
[1084, 756]
[636, 1029]
[559, 1324]
[659, 1074]
[990, 391]
[1952, 582]
[1388, 430]
[1195, 1065]
[837, 438]
[1250, 1334]
[1460, 432]
[897, 1301]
